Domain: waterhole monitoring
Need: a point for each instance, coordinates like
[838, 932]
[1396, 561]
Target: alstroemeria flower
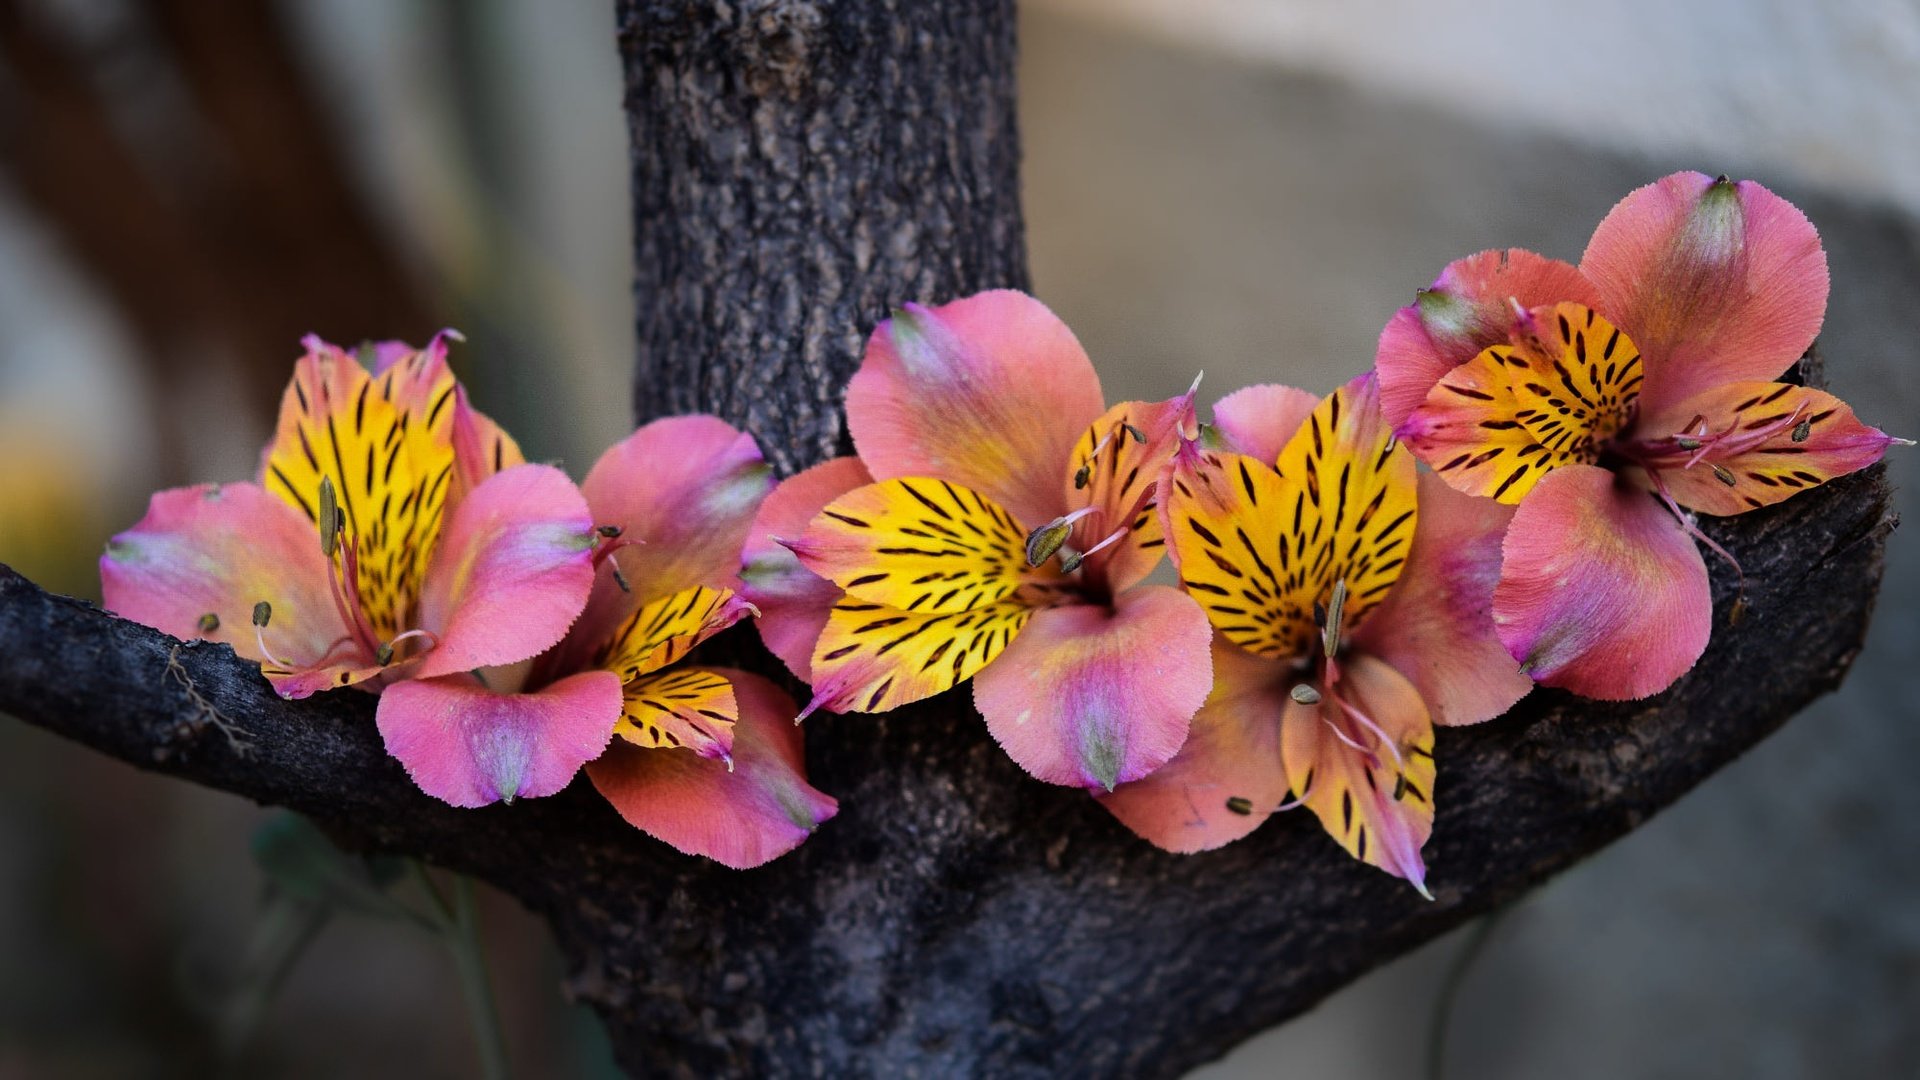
[1351, 603]
[1591, 396]
[395, 533]
[706, 759]
[996, 527]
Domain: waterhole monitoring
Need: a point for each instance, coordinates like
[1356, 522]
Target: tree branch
[958, 916]
[799, 167]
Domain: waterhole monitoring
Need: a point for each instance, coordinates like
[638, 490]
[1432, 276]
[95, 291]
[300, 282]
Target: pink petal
[989, 392]
[1760, 453]
[1378, 804]
[1232, 753]
[1600, 592]
[1467, 308]
[794, 602]
[1093, 696]
[685, 490]
[1715, 281]
[511, 574]
[1259, 420]
[467, 745]
[758, 811]
[219, 549]
[1436, 625]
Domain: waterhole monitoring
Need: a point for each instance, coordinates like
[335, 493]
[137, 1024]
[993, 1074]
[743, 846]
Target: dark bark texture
[798, 168]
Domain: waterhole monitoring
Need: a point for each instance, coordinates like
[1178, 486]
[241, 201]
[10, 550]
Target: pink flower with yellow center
[1609, 400]
[394, 533]
[1350, 602]
[706, 759]
[995, 526]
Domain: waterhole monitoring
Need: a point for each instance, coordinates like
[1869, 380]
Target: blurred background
[1248, 187]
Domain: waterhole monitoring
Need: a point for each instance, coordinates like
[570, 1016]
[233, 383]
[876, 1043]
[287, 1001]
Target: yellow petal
[918, 545]
[1499, 422]
[691, 707]
[1239, 556]
[1117, 467]
[871, 658]
[1361, 485]
[1261, 549]
[1374, 797]
[1575, 380]
[386, 444]
[660, 632]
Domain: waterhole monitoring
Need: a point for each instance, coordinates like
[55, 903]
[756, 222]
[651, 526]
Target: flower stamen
[262, 615]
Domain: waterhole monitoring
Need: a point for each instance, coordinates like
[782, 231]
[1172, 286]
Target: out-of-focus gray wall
[1820, 93]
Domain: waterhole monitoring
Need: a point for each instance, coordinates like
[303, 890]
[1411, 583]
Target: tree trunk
[799, 167]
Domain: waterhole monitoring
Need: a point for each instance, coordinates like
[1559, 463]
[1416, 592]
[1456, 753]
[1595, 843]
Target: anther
[263, 614]
[620, 579]
[329, 518]
[1724, 475]
[609, 531]
[1138, 435]
[1240, 805]
[1336, 607]
[1044, 541]
[1803, 429]
[1081, 478]
[1305, 694]
[1687, 442]
[209, 623]
[384, 654]
[1070, 561]
[1399, 786]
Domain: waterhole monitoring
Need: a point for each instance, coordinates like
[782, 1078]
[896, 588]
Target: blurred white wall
[1820, 92]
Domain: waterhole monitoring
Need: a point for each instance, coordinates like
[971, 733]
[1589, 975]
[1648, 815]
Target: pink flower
[1350, 602]
[704, 758]
[1608, 400]
[394, 533]
[996, 526]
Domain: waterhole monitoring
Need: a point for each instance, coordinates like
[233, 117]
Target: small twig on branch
[238, 738]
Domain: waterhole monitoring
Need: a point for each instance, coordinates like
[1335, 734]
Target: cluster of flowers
[1334, 603]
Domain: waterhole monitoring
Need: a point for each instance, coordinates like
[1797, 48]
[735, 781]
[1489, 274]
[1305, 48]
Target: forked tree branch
[798, 167]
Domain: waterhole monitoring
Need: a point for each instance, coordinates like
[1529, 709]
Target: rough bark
[958, 918]
[798, 168]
